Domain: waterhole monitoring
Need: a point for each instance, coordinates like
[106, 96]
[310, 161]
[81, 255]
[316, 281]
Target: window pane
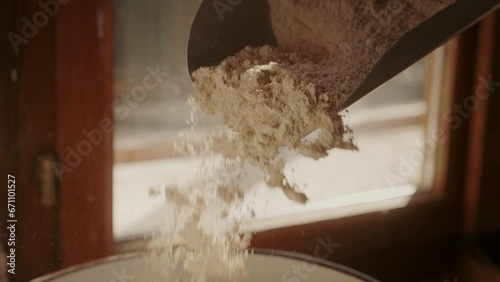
[407, 87]
[151, 37]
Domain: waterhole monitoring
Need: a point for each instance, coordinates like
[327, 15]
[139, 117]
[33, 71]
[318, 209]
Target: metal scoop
[222, 28]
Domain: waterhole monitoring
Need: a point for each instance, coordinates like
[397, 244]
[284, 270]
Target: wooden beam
[84, 49]
[476, 104]
[489, 208]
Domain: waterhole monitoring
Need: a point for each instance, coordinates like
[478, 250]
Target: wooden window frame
[58, 84]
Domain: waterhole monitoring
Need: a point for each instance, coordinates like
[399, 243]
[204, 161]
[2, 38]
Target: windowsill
[335, 191]
[379, 200]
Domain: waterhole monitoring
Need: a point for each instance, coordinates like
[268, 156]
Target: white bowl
[264, 265]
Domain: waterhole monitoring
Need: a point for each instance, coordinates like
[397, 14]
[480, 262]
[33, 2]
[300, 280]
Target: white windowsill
[345, 184]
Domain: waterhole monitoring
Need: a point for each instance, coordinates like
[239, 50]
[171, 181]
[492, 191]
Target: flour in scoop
[272, 97]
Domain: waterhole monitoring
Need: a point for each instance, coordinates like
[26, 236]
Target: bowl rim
[260, 251]
[319, 261]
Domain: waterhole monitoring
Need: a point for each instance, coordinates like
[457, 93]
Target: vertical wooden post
[488, 220]
[56, 90]
[479, 116]
[84, 52]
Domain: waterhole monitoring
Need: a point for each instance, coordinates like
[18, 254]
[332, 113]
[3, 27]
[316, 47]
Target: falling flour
[270, 98]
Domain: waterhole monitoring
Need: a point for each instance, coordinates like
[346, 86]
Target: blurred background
[93, 98]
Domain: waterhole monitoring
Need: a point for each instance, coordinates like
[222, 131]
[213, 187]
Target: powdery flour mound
[269, 98]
